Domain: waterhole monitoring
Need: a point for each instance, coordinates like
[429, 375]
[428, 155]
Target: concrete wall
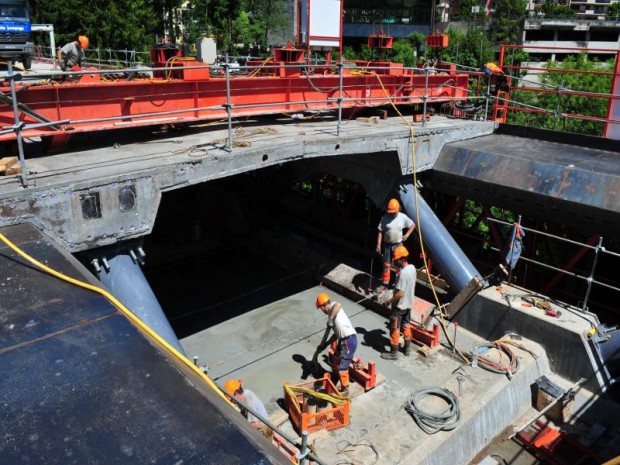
[492, 314]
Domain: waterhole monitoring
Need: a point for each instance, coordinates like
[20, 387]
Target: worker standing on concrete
[391, 235]
[401, 302]
[233, 388]
[339, 322]
[71, 55]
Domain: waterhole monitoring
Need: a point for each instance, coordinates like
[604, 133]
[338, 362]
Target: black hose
[432, 423]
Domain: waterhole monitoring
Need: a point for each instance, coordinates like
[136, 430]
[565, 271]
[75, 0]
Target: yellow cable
[335, 399]
[256, 71]
[419, 226]
[120, 307]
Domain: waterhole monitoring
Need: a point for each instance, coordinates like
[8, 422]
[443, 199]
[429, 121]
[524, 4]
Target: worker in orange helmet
[391, 236]
[70, 56]
[491, 68]
[344, 333]
[234, 388]
[401, 303]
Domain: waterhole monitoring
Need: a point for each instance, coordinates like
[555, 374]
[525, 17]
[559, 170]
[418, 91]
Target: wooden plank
[13, 170]
[471, 289]
[427, 351]
[6, 163]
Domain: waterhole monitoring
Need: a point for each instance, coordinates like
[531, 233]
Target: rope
[346, 448]
[432, 423]
[419, 225]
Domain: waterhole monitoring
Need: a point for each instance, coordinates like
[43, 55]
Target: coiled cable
[499, 367]
[432, 423]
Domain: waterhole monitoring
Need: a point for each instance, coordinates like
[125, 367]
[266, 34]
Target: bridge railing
[101, 57]
[552, 102]
[424, 86]
[595, 249]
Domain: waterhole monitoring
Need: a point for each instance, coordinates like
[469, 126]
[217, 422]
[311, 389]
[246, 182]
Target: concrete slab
[269, 346]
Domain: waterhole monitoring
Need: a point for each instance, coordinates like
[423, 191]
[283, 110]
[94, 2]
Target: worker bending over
[344, 331]
[233, 388]
[391, 235]
[401, 302]
[70, 56]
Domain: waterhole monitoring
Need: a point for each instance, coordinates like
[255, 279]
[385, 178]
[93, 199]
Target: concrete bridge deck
[274, 343]
[91, 184]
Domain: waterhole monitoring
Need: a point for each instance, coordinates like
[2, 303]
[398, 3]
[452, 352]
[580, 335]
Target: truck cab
[16, 32]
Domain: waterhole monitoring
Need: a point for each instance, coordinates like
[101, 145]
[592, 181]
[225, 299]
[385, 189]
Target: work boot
[407, 348]
[392, 354]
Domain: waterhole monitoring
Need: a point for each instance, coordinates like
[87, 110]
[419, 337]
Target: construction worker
[70, 56]
[233, 388]
[401, 302]
[391, 235]
[491, 68]
[344, 332]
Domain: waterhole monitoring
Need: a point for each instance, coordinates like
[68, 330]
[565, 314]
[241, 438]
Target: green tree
[555, 11]
[464, 12]
[546, 103]
[471, 49]
[507, 21]
[115, 24]
[613, 11]
[402, 52]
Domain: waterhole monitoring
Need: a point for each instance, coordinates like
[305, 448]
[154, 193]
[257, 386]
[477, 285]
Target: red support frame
[610, 119]
[95, 106]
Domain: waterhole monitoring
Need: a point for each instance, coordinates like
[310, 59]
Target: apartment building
[584, 9]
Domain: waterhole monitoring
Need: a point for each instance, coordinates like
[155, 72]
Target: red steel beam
[122, 104]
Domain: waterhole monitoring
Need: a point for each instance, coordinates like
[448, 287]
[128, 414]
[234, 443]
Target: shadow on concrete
[308, 368]
[375, 338]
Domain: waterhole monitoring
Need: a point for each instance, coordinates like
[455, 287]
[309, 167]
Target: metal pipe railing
[590, 280]
[17, 127]
[232, 108]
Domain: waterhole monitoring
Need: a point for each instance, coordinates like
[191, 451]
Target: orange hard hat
[83, 40]
[393, 206]
[232, 385]
[400, 252]
[322, 299]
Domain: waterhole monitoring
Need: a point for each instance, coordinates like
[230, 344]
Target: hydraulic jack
[364, 375]
[428, 340]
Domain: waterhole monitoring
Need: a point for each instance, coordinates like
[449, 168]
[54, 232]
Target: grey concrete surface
[498, 310]
[268, 347]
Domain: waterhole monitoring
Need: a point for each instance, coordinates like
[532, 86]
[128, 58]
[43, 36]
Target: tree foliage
[406, 51]
[565, 104]
[138, 24]
[471, 49]
[464, 11]
[613, 11]
[116, 24]
[507, 23]
[555, 11]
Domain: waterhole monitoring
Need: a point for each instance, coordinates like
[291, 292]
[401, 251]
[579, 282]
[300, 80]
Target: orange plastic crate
[334, 417]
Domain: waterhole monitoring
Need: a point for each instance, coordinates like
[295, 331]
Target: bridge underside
[574, 181]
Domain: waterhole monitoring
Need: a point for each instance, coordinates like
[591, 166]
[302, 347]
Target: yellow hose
[335, 399]
[419, 225]
[120, 307]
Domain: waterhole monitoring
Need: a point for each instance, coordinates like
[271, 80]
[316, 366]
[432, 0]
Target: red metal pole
[613, 130]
